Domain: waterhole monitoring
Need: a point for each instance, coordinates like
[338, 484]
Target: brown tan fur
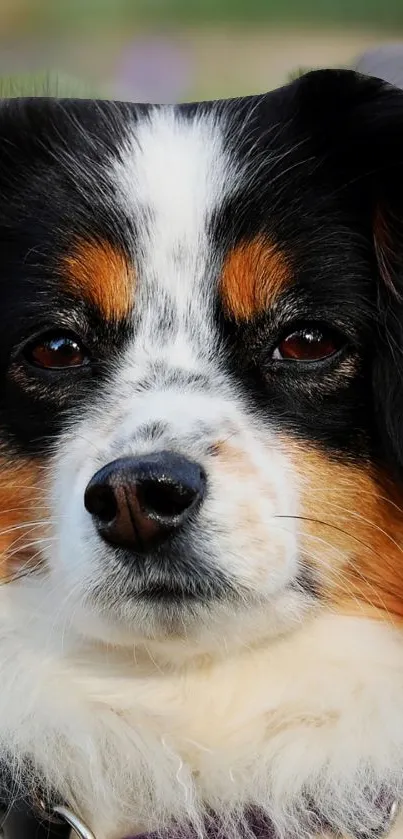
[351, 525]
[23, 516]
[253, 276]
[101, 274]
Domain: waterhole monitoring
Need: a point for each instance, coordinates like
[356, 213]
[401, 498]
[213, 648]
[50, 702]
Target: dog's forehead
[175, 167]
[181, 178]
[171, 175]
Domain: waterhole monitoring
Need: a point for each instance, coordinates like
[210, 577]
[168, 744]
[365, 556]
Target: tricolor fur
[180, 245]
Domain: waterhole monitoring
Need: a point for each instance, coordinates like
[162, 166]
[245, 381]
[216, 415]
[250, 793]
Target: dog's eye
[307, 344]
[56, 351]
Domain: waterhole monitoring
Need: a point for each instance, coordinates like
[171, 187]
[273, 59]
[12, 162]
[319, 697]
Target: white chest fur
[131, 743]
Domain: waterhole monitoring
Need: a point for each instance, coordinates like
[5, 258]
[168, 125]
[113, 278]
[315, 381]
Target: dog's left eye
[56, 351]
[310, 343]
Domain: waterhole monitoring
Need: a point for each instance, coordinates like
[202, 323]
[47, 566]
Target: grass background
[380, 13]
[230, 47]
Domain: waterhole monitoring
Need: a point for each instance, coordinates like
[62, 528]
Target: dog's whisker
[373, 495]
[324, 523]
[337, 573]
[22, 548]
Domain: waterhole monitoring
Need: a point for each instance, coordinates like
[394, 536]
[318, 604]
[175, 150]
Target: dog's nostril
[101, 502]
[164, 500]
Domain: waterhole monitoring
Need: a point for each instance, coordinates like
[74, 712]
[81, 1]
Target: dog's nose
[138, 502]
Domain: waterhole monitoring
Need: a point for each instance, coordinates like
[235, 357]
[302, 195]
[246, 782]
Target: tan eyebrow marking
[102, 274]
[253, 275]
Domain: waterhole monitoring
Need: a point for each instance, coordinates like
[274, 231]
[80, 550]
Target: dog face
[199, 366]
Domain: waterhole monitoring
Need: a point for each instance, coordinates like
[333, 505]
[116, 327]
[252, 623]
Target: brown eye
[56, 352]
[310, 344]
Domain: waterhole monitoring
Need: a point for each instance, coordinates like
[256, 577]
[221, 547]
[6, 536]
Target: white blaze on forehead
[173, 173]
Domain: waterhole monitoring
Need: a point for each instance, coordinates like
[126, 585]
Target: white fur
[261, 702]
[131, 743]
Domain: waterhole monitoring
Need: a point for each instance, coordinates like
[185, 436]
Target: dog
[201, 480]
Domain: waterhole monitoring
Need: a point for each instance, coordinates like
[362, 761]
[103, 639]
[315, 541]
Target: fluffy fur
[179, 248]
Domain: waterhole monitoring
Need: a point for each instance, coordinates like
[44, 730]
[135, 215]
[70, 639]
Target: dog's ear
[358, 128]
[384, 193]
[388, 343]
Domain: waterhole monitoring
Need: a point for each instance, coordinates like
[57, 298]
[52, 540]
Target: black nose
[138, 502]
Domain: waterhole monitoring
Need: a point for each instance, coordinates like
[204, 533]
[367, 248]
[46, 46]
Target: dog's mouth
[180, 590]
[169, 607]
[173, 579]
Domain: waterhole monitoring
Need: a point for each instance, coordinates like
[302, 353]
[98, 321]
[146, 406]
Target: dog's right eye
[56, 351]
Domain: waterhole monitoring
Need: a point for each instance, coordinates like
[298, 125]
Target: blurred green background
[170, 50]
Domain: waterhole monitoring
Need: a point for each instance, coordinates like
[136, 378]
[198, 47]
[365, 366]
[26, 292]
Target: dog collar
[24, 819]
[64, 824]
[388, 819]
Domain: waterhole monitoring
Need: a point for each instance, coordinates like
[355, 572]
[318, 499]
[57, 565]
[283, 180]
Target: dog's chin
[176, 624]
[147, 621]
[160, 612]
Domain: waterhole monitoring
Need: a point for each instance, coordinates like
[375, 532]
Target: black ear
[388, 340]
[384, 193]
[358, 129]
